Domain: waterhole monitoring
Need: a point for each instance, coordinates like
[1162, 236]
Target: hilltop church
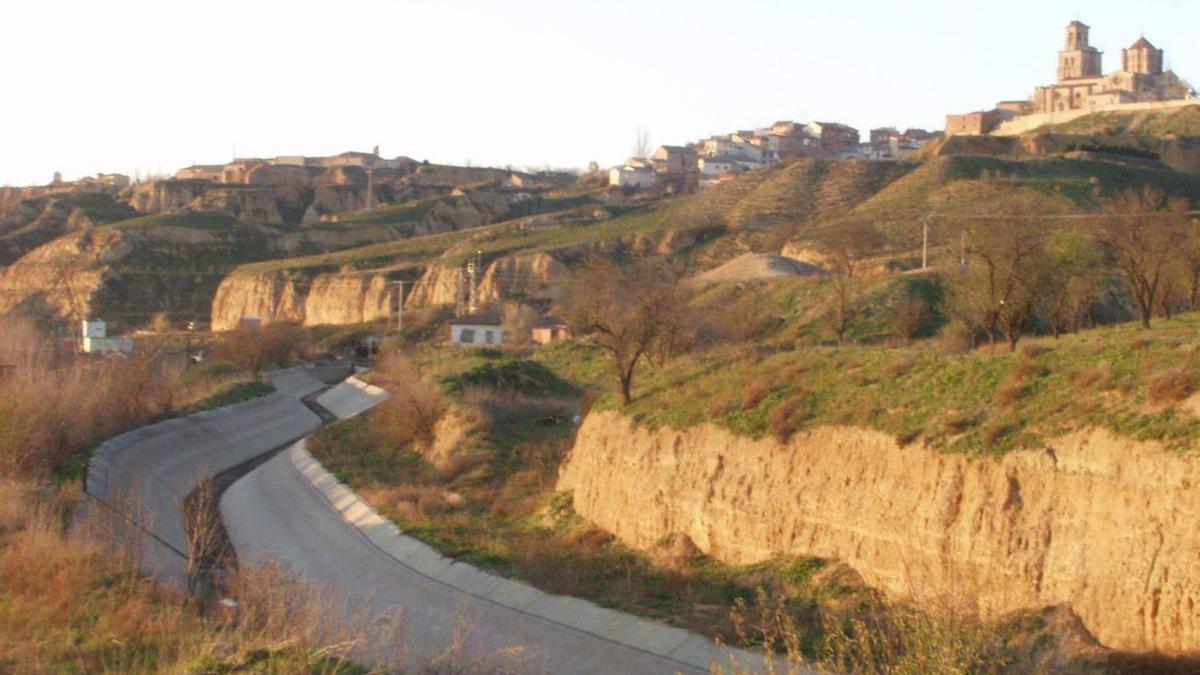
[1082, 85]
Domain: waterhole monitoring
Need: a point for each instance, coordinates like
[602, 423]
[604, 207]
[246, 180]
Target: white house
[726, 164]
[480, 328]
[96, 340]
[632, 176]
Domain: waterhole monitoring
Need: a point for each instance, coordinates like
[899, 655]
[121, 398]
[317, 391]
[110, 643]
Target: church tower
[1143, 58]
[1079, 59]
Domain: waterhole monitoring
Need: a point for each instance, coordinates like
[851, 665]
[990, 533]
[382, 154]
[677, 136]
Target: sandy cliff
[1105, 524]
[335, 298]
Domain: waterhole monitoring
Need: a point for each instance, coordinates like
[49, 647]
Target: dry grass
[789, 416]
[756, 390]
[414, 407]
[53, 405]
[68, 602]
[1170, 387]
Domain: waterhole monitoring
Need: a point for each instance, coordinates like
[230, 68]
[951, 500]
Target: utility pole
[962, 255]
[925, 238]
[370, 187]
[471, 287]
[925, 242]
[458, 292]
[399, 307]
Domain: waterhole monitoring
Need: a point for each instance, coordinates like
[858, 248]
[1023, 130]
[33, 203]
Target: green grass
[233, 393]
[976, 403]
[1184, 121]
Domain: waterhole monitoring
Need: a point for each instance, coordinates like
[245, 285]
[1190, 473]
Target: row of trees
[1014, 267]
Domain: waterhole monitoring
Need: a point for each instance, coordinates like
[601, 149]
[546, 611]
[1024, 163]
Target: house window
[467, 336]
[487, 336]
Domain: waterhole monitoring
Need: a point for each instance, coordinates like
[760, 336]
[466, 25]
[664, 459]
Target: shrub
[410, 414]
[957, 338]
[789, 416]
[1170, 387]
[254, 349]
[755, 392]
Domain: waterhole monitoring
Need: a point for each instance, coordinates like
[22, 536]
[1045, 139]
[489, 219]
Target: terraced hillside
[764, 211]
[32, 221]
[133, 268]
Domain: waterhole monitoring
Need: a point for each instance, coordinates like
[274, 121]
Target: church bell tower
[1079, 59]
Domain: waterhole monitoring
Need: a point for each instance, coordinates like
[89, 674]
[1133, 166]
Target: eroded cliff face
[437, 286]
[527, 275]
[1105, 524]
[335, 298]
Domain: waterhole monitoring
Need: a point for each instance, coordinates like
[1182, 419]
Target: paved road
[275, 513]
[147, 473]
[408, 616]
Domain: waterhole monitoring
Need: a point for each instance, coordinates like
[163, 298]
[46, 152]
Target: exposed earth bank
[1097, 521]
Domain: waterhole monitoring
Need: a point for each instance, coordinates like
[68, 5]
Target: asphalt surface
[145, 475]
[399, 613]
[275, 514]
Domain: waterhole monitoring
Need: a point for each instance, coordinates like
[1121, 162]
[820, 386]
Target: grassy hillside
[1183, 121]
[29, 223]
[762, 209]
[1131, 381]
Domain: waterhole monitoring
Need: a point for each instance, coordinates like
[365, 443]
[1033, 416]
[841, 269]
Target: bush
[789, 416]
[1170, 387]
[755, 392]
[411, 412]
[957, 338]
[254, 349]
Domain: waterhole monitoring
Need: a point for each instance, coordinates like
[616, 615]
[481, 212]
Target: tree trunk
[626, 377]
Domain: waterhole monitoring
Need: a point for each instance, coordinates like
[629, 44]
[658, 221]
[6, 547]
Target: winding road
[407, 606]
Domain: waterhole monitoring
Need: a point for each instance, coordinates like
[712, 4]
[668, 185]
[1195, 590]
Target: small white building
[96, 340]
[632, 176]
[480, 328]
[718, 165]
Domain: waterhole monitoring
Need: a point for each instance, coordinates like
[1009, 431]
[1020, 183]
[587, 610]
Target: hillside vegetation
[765, 209]
[1184, 121]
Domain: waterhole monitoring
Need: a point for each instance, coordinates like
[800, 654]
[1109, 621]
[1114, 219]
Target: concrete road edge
[581, 615]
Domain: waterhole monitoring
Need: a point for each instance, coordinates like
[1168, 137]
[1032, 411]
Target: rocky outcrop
[349, 298]
[525, 275]
[270, 296]
[330, 199]
[1099, 522]
[438, 285]
[333, 298]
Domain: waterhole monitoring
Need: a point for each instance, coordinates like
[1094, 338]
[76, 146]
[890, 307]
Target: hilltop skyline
[529, 84]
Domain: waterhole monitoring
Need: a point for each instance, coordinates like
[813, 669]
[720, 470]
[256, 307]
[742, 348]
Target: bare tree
[641, 142]
[911, 312]
[846, 250]
[998, 288]
[1144, 233]
[626, 312]
[1075, 278]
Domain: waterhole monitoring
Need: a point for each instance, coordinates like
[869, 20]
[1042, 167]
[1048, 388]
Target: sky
[148, 87]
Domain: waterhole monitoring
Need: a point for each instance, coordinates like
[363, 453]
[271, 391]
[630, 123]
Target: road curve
[277, 513]
[145, 475]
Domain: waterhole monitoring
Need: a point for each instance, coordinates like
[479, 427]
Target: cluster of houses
[683, 168]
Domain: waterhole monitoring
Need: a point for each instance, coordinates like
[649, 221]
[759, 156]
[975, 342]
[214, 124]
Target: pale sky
[125, 85]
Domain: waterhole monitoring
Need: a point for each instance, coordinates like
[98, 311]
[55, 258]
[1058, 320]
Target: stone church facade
[1082, 85]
